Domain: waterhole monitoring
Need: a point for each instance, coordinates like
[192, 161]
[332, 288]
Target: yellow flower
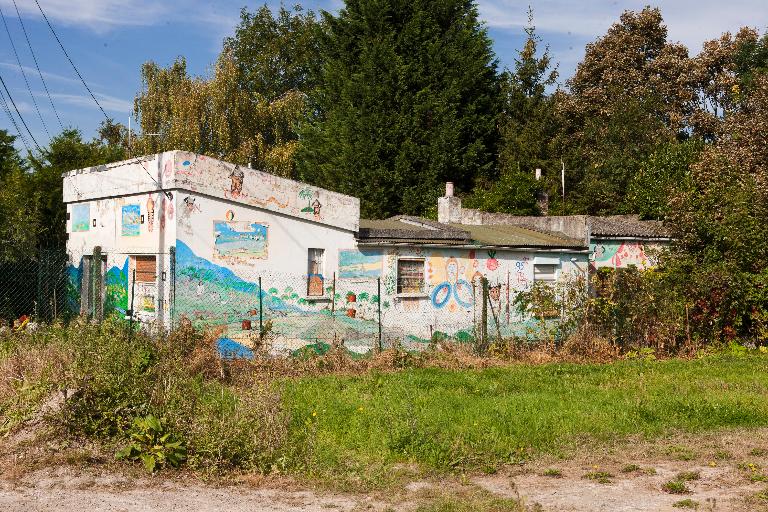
[314, 413]
[713, 464]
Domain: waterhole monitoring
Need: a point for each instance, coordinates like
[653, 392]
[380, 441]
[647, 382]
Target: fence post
[333, 295]
[172, 291]
[484, 318]
[378, 307]
[261, 315]
[130, 311]
[96, 284]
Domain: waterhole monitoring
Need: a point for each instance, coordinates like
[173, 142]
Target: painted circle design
[230, 215]
[441, 295]
[462, 292]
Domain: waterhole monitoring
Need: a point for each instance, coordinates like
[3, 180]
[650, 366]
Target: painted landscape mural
[215, 297]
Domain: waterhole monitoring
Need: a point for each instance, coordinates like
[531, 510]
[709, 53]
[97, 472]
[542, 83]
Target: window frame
[320, 274]
[555, 273]
[422, 289]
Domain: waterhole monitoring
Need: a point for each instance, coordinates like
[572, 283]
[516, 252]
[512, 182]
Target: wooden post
[130, 311]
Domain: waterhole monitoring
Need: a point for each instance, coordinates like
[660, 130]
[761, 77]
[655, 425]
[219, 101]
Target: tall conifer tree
[408, 100]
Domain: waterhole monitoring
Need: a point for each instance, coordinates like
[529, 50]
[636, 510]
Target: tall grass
[343, 419]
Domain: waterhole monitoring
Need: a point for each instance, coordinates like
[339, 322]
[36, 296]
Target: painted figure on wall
[81, 217]
[185, 217]
[455, 291]
[619, 255]
[236, 187]
[131, 221]
[240, 242]
[150, 214]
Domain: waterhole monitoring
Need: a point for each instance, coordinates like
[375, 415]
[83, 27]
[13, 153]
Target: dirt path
[65, 489]
[725, 471]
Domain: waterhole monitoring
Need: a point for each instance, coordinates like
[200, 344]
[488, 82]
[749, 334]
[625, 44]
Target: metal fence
[280, 313]
[37, 288]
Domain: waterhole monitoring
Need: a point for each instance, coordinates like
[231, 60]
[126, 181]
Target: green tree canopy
[408, 99]
[249, 110]
[65, 152]
[526, 128]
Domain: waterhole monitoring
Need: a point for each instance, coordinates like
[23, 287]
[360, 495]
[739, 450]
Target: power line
[13, 120]
[23, 73]
[34, 57]
[70, 60]
[19, 113]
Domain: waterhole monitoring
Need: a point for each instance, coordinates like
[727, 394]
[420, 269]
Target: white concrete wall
[287, 240]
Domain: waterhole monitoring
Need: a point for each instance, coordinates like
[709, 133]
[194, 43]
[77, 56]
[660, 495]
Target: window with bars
[410, 276]
[315, 271]
[146, 268]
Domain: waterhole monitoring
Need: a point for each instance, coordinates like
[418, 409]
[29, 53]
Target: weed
[630, 468]
[758, 452]
[723, 455]
[675, 487]
[602, 477]
[553, 472]
[686, 503]
[762, 495]
[649, 471]
[681, 453]
[687, 476]
[153, 445]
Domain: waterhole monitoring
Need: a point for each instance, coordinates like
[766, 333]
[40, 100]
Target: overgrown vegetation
[170, 400]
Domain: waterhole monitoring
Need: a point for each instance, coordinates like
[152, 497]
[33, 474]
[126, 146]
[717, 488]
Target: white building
[226, 246]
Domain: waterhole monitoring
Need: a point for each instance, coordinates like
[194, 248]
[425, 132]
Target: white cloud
[98, 15]
[109, 103]
[689, 21]
[32, 71]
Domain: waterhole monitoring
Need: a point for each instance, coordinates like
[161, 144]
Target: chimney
[542, 197]
[449, 207]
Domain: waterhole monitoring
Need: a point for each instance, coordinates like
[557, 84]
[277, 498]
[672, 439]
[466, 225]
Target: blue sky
[110, 39]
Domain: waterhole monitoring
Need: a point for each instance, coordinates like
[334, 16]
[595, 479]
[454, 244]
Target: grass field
[470, 419]
[356, 422]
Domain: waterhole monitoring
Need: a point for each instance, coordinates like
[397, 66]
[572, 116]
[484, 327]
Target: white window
[315, 272]
[545, 272]
[410, 275]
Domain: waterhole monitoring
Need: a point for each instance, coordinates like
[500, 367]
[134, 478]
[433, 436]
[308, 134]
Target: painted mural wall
[221, 291]
[223, 180]
[223, 248]
[123, 227]
[624, 253]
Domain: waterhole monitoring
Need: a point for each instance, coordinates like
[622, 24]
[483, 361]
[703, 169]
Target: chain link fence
[37, 289]
[248, 311]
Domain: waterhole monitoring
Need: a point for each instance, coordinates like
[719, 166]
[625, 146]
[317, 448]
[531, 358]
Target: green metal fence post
[96, 284]
[378, 307]
[172, 291]
[261, 316]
